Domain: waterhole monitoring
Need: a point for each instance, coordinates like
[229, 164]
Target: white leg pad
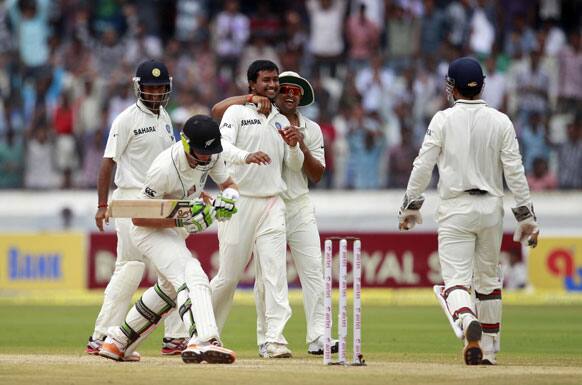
[199, 294]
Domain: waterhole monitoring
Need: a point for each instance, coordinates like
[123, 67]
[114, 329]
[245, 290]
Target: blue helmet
[466, 75]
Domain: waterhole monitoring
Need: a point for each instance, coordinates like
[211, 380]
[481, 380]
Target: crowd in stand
[377, 67]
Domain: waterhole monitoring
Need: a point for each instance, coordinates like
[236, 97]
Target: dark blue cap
[466, 75]
[152, 72]
[201, 134]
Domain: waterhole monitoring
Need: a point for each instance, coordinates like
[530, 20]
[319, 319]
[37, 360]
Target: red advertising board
[391, 260]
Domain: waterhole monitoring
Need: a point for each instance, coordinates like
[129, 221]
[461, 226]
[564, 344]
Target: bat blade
[150, 208]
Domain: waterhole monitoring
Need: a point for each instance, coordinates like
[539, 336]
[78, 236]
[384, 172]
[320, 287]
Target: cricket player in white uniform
[302, 233]
[139, 134]
[179, 172]
[260, 223]
[474, 147]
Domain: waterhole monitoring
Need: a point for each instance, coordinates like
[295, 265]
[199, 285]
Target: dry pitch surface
[82, 369]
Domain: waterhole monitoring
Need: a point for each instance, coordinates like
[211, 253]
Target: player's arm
[409, 213]
[263, 104]
[527, 230]
[313, 157]
[103, 183]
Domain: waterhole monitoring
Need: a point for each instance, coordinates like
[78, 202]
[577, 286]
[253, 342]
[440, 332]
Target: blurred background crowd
[377, 67]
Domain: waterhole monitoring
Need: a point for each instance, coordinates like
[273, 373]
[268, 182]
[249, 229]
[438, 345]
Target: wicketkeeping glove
[201, 219]
[409, 213]
[527, 228]
[225, 204]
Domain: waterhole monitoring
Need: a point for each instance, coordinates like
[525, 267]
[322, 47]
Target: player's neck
[293, 117]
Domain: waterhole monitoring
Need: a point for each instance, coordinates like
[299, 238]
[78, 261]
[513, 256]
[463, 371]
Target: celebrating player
[260, 223]
[139, 134]
[179, 172]
[302, 232]
[474, 147]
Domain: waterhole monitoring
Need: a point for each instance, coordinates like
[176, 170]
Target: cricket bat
[150, 208]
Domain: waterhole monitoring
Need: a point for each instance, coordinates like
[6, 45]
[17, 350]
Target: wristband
[179, 223]
[101, 206]
[250, 98]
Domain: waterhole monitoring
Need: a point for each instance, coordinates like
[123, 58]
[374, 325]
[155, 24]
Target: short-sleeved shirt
[297, 183]
[137, 136]
[171, 177]
[249, 131]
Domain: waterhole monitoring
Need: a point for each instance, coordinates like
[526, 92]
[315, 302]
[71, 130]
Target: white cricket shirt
[474, 146]
[171, 177]
[137, 136]
[297, 182]
[245, 131]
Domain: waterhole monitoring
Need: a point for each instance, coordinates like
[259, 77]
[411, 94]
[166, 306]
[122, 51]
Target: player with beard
[137, 136]
[250, 137]
[302, 233]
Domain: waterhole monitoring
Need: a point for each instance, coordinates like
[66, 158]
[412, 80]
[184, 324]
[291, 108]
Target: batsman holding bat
[139, 134]
[180, 172]
[474, 147]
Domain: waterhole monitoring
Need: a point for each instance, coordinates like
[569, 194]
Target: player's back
[472, 137]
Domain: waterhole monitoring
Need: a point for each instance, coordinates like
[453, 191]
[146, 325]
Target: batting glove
[527, 230]
[225, 204]
[409, 214]
[200, 220]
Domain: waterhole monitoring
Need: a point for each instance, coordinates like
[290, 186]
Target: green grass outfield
[403, 344]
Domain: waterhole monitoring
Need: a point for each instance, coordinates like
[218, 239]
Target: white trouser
[125, 280]
[470, 233]
[303, 240]
[167, 251]
[259, 225]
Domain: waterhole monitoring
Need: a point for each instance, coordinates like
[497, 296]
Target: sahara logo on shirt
[249, 122]
[144, 130]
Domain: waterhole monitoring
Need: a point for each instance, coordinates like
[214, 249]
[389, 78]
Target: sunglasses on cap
[294, 90]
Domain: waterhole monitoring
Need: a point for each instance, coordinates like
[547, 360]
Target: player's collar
[473, 101]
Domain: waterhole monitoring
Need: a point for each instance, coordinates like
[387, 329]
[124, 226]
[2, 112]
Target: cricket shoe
[472, 351]
[210, 352]
[316, 347]
[173, 346]
[274, 350]
[93, 346]
[488, 359]
[112, 350]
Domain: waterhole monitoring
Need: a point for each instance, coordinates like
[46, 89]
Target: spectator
[570, 158]
[400, 159]
[232, 32]
[11, 160]
[92, 156]
[541, 178]
[39, 171]
[514, 272]
[326, 40]
[30, 20]
[432, 29]
[363, 37]
[533, 84]
[495, 93]
[482, 31]
[192, 20]
[533, 137]
[459, 15]
[374, 83]
[570, 74]
[329, 134]
[402, 36]
[66, 143]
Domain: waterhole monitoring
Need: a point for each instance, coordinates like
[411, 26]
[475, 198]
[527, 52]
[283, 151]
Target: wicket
[357, 359]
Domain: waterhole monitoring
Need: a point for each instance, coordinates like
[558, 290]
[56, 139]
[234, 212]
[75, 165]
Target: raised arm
[263, 104]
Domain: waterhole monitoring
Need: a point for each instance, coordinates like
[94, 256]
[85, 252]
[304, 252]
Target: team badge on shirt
[168, 128]
[277, 125]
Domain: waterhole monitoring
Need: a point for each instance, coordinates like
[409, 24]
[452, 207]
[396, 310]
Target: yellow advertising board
[557, 264]
[42, 261]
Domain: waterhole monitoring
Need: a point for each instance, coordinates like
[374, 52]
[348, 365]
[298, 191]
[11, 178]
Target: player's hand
[407, 219]
[201, 219]
[225, 204]
[258, 157]
[263, 104]
[291, 135]
[101, 216]
[527, 232]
